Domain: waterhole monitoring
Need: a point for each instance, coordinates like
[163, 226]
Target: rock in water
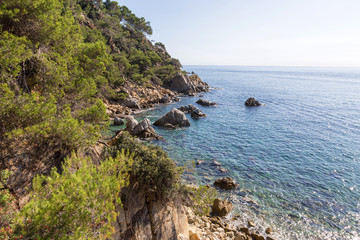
[174, 118]
[252, 102]
[196, 114]
[181, 84]
[207, 103]
[131, 122]
[221, 207]
[226, 183]
[165, 99]
[189, 85]
[141, 127]
[118, 121]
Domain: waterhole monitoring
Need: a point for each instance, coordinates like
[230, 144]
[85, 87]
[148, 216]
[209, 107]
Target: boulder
[144, 130]
[118, 121]
[175, 118]
[221, 207]
[130, 103]
[131, 123]
[226, 183]
[188, 108]
[207, 103]
[252, 102]
[196, 114]
[141, 127]
[165, 99]
[182, 83]
[256, 236]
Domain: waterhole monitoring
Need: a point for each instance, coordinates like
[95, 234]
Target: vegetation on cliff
[59, 59]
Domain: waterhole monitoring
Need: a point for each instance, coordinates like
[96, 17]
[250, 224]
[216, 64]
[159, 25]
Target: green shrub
[152, 166]
[202, 198]
[7, 210]
[77, 204]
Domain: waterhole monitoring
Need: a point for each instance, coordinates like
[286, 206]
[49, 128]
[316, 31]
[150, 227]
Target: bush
[152, 166]
[79, 203]
[201, 198]
[7, 209]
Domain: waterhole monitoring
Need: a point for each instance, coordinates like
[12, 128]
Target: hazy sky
[256, 32]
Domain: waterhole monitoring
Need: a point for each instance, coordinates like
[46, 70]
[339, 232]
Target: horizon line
[233, 65]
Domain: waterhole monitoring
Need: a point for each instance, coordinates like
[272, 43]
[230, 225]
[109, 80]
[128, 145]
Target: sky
[317, 33]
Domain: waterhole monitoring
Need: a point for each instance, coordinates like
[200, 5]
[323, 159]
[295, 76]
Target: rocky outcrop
[174, 118]
[206, 103]
[130, 103]
[148, 217]
[252, 102]
[221, 207]
[142, 97]
[200, 85]
[165, 99]
[143, 130]
[195, 112]
[226, 183]
[118, 121]
[182, 83]
[131, 123]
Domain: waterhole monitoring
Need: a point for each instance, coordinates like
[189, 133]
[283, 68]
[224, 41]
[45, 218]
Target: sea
[296, 158]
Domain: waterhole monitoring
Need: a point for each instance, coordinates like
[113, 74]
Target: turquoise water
[297, 157]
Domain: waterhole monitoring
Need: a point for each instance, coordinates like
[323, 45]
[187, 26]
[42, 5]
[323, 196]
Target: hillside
[66, 67]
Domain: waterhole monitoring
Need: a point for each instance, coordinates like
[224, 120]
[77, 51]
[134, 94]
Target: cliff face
[148, 217]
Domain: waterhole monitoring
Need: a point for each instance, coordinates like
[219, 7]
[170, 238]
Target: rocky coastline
[185, 224]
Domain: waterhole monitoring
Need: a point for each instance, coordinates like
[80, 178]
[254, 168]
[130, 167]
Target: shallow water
[297, 157]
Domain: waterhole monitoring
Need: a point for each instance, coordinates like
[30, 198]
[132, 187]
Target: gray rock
[226, 183]
[174, 118]
[188, 108]
[165, 99]
[252, 102]
[118, 121]
[131, 123]
[181, 84]
[196, 114]
[221, 207]
[141, 127]
[207, 103]
[130, 103]
[184, 84]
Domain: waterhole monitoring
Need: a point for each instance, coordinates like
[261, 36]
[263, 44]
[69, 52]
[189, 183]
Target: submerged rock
[252, 102]
[174, 118]
[221, 207]
[207, 103]
[226, 183]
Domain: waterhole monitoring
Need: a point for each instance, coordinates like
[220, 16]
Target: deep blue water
[297, 157]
